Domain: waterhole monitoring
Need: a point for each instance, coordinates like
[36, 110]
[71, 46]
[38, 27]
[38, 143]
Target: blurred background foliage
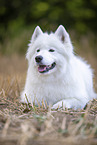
[18, 18]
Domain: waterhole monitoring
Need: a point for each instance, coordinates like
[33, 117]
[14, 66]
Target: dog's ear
[62, 34]
[36, 33]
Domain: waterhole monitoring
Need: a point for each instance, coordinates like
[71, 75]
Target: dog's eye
[51, 50]
[38, 50]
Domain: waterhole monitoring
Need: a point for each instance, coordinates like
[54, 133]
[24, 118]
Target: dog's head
[49, 52]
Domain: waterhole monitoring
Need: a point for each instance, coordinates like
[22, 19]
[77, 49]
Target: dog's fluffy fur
[55, 74]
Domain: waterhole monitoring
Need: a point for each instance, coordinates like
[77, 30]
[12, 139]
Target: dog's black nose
[38, 58]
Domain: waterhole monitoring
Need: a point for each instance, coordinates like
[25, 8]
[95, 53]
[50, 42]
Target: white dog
[55, 74]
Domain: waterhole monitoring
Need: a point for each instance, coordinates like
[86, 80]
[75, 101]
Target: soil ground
[22, 124]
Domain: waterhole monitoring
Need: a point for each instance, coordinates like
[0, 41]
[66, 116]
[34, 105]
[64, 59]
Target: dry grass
[22, 124]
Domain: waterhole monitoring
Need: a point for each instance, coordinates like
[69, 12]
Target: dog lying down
[55, 74]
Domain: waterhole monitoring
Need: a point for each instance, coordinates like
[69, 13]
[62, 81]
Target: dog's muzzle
[41, 67]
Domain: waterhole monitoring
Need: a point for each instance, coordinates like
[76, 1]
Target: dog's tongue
[41, 68]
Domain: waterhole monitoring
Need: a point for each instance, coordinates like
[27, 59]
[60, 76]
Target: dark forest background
[18, 18]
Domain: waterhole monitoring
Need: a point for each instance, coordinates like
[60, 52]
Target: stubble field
[22, 124]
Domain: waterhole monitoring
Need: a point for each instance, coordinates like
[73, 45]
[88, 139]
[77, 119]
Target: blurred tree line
[16, 15]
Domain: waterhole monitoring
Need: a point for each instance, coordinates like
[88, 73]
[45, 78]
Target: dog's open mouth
[46, 68]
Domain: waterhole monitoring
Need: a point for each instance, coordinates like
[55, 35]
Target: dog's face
[49, 53]
[45, 60]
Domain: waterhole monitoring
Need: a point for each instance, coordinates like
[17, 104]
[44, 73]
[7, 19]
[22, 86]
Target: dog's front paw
[61, 104]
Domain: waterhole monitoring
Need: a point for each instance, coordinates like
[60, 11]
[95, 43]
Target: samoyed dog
[55, 74]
